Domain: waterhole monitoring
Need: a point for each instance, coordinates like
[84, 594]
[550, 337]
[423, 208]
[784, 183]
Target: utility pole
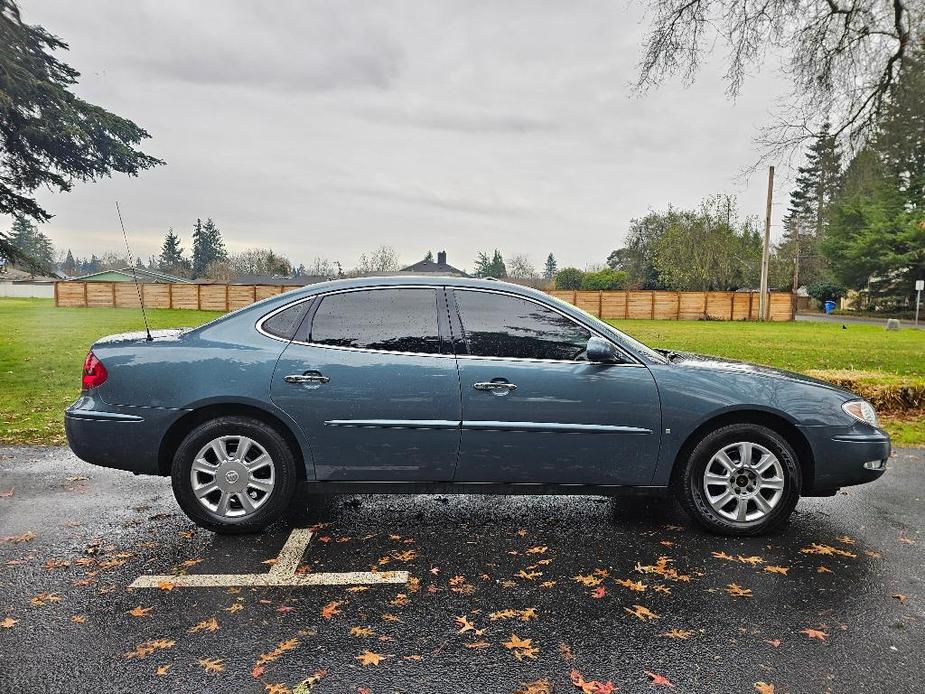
[765, 251]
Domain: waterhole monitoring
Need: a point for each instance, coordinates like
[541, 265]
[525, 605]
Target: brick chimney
[441, 257]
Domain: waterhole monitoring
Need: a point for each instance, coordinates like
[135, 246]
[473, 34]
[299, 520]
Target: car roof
[419, 280]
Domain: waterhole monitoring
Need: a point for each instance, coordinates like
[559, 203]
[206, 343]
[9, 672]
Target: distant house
[429, 267]
[128, 274]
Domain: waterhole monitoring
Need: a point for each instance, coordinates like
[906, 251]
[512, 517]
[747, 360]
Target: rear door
[372, 380]
[535, 410]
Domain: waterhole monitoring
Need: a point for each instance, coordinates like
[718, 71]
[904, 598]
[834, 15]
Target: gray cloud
[330, 127]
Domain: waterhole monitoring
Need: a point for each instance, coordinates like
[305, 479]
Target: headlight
[862, 411]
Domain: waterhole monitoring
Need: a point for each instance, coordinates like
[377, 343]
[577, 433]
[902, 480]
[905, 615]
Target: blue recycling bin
[829, 306]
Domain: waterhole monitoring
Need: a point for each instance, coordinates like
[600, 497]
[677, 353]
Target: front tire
[234, 475]
[742, 479]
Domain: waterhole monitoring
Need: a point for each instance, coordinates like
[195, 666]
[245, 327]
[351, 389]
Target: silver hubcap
[743, 482]
[232, 476]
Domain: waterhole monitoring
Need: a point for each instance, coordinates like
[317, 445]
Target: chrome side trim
[101, 416]
[393, 423]
[551, 427]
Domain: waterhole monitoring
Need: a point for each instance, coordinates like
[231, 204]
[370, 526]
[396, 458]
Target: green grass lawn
[42, 349]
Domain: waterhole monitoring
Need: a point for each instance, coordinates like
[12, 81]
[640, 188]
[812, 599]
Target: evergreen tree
[807, 218]
[208, 246]
[429, 257]
[69, 266]
[30, 247]
[171, 258]
[490, 267]
[551, 266]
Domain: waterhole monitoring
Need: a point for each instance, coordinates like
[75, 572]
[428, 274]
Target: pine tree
[807, 218]
[551, 267]
[208, 246]
[490, 267]
[171, 258]
[30, 247]
[429, 257]
[69, 266]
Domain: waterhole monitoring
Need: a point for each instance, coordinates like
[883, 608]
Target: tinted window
[496, 325]
[398, 320]
[286, 322]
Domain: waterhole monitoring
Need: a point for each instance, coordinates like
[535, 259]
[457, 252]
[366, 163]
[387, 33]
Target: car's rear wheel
[234, 475]
[742, 479]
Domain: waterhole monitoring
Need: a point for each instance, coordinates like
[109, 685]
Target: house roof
[143, 275]
[440, 267]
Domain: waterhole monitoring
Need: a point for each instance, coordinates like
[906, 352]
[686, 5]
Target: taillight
[94, 372]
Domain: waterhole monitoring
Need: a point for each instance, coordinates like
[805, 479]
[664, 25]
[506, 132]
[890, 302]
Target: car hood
[141, 336]
[690, 360]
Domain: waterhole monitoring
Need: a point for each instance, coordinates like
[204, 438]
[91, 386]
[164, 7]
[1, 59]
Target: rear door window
[501, 325]
[394, 320]
[286, 322]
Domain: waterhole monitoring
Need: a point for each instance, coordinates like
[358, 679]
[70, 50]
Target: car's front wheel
[234, 475]
[742, 479]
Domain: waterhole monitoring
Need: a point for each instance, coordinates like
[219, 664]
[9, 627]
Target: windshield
[621, 336]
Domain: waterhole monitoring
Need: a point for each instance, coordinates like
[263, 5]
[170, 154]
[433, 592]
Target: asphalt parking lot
[502, 594]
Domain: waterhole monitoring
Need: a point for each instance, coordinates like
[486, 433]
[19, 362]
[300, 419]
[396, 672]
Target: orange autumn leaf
[587, 581]
[764, 688]
[542, 686]
[782, 570]
[640, 612]
[362, 632]
[591, 686]
[210, 624]
[517, 642]
[162, 670]
[529, 576]
[537, 550]
[330, 609]
[464, 625]
[659, 680]
[823, 570]
[166, 585]
[737, 591]
[815, 633]
[143, 650]
[902, 598]
[212, 664]
[827, 550]
[79, 619]
[477, 645]
[276, 688]
[140, 611]
[8, 623]
[638, 586]
[370, 658]
[679, 634]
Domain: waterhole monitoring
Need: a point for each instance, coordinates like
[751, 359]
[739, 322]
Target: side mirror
[601, 351]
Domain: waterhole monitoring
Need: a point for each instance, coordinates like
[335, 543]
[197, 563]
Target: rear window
[395, 320]
[286, 322]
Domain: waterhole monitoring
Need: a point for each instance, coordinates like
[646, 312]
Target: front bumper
[124, 438]
[845, 456]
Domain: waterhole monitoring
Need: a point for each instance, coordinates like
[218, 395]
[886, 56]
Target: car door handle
[495, 386]
[307, 377]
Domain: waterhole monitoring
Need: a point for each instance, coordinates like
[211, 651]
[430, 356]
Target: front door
[373, 383]
[534, 410]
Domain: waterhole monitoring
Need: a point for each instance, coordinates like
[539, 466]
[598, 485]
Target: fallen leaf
[276, 688]
[587, 581]
[477, 645]
[522, 648]
[8, 623]
[370, 658]
[166, 585]
[537, 550]
[210, 624]
[362, 632]
[723, 555]
[659, 680]
[775, 642]
[827, 550]
[590, 686]
[79, 619]
[43, 599]
[140, 611]
[777, 569]
[309, 682]
[529, 576]
[902, 598]
[737, 591]
[640, 612]
[143, 650]
[764, 688]
[823, 570]
[815, 634]
[538, 687]
[18, 539]
[679, 634]
[162, 670]
[464, 625]
[234, 607]
[846, 540]
[8, 493]
[212, 664]
[638, 586]
[330, 609]
[598, 593]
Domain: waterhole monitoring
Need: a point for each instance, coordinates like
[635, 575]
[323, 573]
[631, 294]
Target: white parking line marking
[282, 573]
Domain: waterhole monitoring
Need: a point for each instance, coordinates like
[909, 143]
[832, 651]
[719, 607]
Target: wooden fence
[661, 305]
[603, 304]
[204, 297]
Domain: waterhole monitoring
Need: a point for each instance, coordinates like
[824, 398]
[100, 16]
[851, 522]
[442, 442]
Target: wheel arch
[179, 430]
[771, 420]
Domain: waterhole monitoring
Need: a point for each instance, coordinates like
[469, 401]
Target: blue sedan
[409, 384]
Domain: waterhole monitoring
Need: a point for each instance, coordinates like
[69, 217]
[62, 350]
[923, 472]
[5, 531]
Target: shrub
[826, 291]
[569, 278]
[607, 278]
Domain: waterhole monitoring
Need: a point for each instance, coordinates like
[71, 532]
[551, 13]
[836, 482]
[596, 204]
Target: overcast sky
[329, 128]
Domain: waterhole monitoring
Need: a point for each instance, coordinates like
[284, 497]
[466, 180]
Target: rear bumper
[847, 455]
[124, 438]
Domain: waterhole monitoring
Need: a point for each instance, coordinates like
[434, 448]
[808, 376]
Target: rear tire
[234, 475]
[742, 479]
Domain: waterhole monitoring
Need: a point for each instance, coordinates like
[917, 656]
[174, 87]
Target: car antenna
[131, 263]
